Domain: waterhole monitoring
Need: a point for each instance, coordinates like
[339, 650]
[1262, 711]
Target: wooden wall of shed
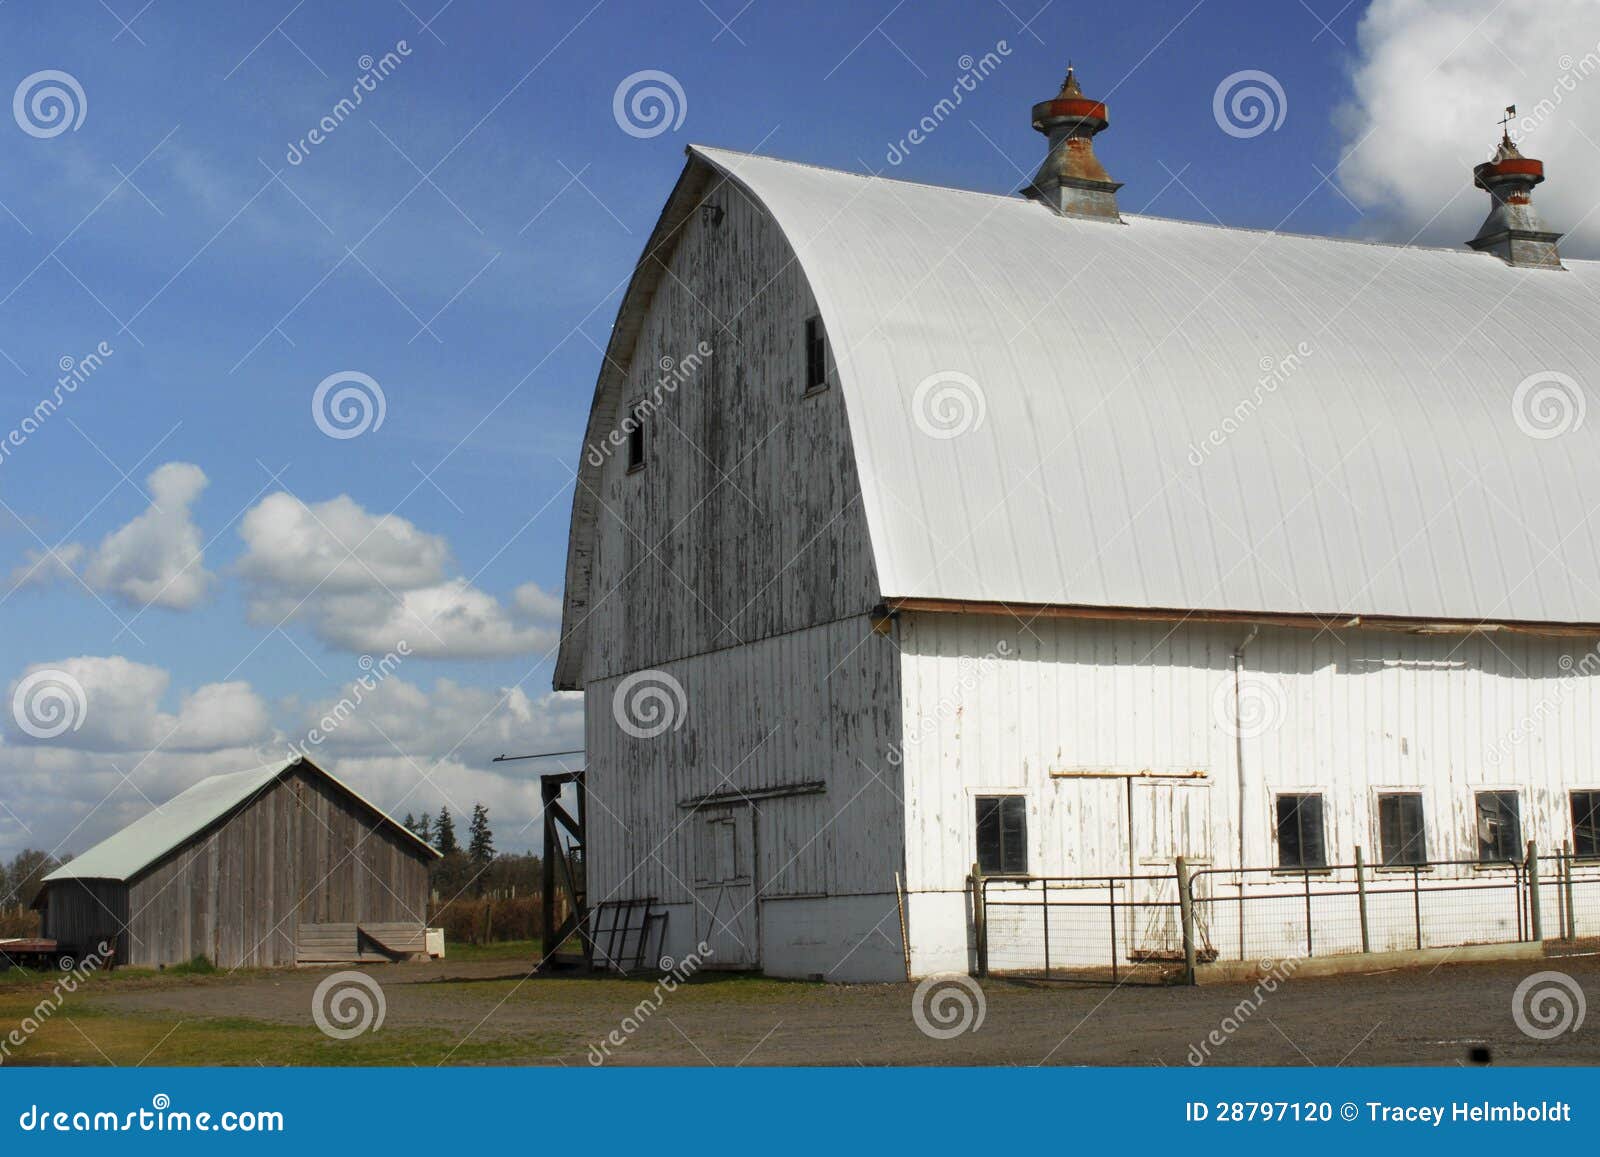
[82, 913]
[746, 522]
[301, 852]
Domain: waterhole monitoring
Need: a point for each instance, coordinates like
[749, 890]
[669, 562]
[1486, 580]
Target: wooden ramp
[358, 943]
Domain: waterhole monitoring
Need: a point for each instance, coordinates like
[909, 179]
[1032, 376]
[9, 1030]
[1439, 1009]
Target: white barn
[920, 528]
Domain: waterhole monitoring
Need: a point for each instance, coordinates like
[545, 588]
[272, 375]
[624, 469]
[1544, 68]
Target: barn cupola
[1072, 181]
[1513, 231]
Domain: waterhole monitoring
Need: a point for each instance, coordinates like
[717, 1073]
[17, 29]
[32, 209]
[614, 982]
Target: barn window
[1586, 823]
[1300, 842]
[1002, 835]
[816, 355]
[1400, 832]
[1499, 826]
[635, 430]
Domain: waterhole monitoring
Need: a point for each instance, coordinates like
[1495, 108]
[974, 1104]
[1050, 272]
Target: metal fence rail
[1155, 926]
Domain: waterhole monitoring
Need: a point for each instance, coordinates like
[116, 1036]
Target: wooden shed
[283, 865]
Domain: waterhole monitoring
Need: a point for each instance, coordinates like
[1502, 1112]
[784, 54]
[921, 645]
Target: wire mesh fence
[1122, 928]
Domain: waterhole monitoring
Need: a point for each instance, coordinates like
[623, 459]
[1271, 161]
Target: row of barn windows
[1002, 824]
[816, 378]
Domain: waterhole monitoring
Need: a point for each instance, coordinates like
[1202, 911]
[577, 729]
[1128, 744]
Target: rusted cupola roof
[1514, 231]
[1072, 181]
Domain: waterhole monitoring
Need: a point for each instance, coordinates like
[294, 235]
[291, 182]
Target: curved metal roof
[1119, 449]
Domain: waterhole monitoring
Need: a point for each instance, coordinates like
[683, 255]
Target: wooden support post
[1536, 928]
[1186, 912]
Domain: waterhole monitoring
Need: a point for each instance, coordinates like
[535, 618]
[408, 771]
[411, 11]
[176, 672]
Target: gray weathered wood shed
[282, 865]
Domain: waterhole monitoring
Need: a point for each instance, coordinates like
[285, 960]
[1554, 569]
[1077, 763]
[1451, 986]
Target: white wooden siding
[1356, 713]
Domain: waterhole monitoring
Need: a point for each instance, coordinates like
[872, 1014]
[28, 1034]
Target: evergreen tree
[424, 828]
[444, 833]
[480, 842]
[410, 823]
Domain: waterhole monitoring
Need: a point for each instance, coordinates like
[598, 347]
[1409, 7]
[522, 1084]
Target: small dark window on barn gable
[1400, 830]
[1300, 843]
[1586, 824]
[1002, 835]
[1499, 826]
[635, 431]
[816, 355]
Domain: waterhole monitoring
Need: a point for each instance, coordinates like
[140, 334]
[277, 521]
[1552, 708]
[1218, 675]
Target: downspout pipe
[1238, 741]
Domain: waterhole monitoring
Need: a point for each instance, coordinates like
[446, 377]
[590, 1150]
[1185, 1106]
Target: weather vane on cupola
[1505, 121]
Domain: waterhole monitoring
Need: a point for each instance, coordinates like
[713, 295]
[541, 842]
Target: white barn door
[1169, 820]
[725, 887]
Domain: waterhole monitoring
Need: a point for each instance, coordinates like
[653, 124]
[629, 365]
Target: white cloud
[119, 709]
[1430, 84]
[42, 567]
[67, 793]
[157, 558]
[366, 582]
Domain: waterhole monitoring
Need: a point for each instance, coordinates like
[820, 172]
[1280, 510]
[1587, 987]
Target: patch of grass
[80, 1033]
[200, 966]
[527, 950]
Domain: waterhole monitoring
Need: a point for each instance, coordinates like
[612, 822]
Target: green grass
[82, 1032]
[522, 950]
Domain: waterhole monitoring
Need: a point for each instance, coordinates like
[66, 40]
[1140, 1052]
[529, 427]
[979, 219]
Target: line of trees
[476, 869]
[19, 884]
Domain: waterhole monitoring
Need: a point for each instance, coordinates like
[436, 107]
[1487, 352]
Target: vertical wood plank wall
[300, 852]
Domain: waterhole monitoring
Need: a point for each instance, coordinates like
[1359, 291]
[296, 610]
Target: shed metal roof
[156, 834]
[1388, 474]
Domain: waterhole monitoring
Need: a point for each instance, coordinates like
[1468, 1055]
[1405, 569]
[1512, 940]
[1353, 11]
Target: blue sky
[462, 239]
